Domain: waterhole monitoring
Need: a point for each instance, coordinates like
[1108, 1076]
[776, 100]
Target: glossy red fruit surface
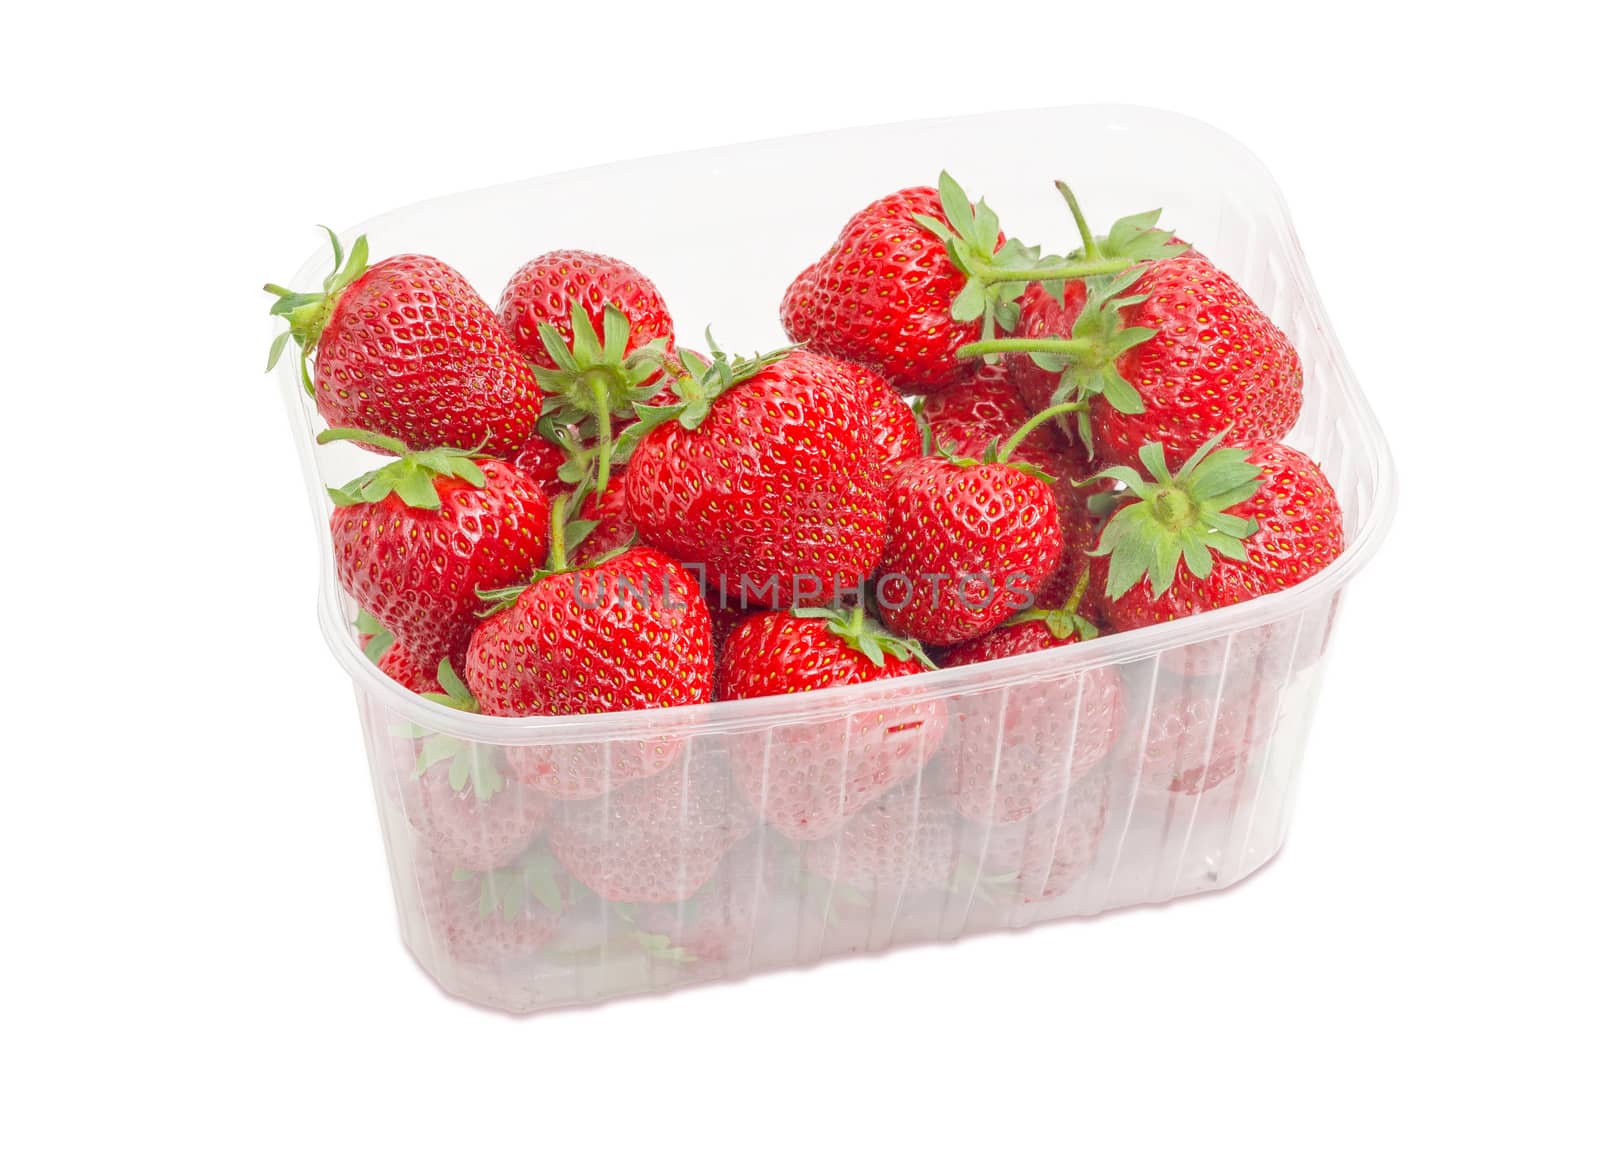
[968, 546]
[418, 571]
[411, 351]
[550, 286]
[881, 295]
[778, 493]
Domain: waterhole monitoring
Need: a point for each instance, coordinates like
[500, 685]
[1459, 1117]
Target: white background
[204, 963]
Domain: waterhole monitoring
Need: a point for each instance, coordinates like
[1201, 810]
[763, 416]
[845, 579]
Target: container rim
[760, 712]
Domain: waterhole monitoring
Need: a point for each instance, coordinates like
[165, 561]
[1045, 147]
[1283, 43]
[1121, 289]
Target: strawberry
[630, 632]
[891, 423]
[1012, 758]
[807, 778]
[613, 528]
[1041, 858]
[548, 290]
[886, 294]
[1194, 739]
[656, 839]
[984, 409]
[542, 459]
[1080, 536]
[763, 473]
[400, 665]
[902, 841]
[970, 542]
[1042, 315]
[1231, 524]
[416, 540]
[460, 805]
[1168, 351]
[491, 918]
[406, 348]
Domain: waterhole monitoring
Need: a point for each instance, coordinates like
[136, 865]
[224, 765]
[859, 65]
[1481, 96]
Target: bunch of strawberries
[973, 450]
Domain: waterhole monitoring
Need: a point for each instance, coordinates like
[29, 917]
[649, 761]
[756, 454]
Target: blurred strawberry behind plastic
[1194, 793]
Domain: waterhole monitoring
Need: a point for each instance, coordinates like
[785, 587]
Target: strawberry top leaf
[866, 635]
[411, 477]
[1177, 517]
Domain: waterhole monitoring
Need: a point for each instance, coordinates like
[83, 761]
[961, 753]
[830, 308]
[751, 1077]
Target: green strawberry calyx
[998, 274]
[865, 634]
[695, 383]
[308, 313]
[1088, 360]
[411, 477]
[594, 379]
[1177, 517]
[504, 893]
[379, 639]
[1063, 622]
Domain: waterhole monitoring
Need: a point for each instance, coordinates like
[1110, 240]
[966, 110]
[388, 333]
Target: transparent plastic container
[1192, 792]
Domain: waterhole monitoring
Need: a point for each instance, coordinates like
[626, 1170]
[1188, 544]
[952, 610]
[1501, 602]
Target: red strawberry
[1016, 751]
[400, 665]
[1041, 858]
[463, 810]
[891, 423]
[656, 840]
[542, 461]
[1042, 316]
[1194, 739]
[547, 289]
[406, 348]
[1169, 351]
[765, 476]
[807, 778]
[1268, 513]
[613, 527]
[984, 409]
[491, 918]
[969, 544]
[629, 633]
[1080, 536]
[416, 540]
[884, 293]
[903, 841]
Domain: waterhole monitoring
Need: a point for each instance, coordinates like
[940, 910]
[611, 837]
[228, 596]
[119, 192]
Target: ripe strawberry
[891, 423]
[1269, 512]
[400, 665]
[458, 801]
[806, 779]
[1042, 315]
[546, 291]
[492, 918]
[1195, 739]
[613, 528]
[969, 543]
[1080, 537]
[1169, 351]
[891, 293]
[983, 410]
[902, 841]
[629, 633]
[764, 475]
[1050, 733]
[542, 460]
[1015, 752]
[656, 840]
[406, 348]
[1041, 858]
[415, 540]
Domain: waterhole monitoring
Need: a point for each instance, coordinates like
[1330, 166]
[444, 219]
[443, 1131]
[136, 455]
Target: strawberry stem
[1070, 346]
[1070, 271]
[1091, 246]
[558, 532]
[363, 436]
[1009, 448]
